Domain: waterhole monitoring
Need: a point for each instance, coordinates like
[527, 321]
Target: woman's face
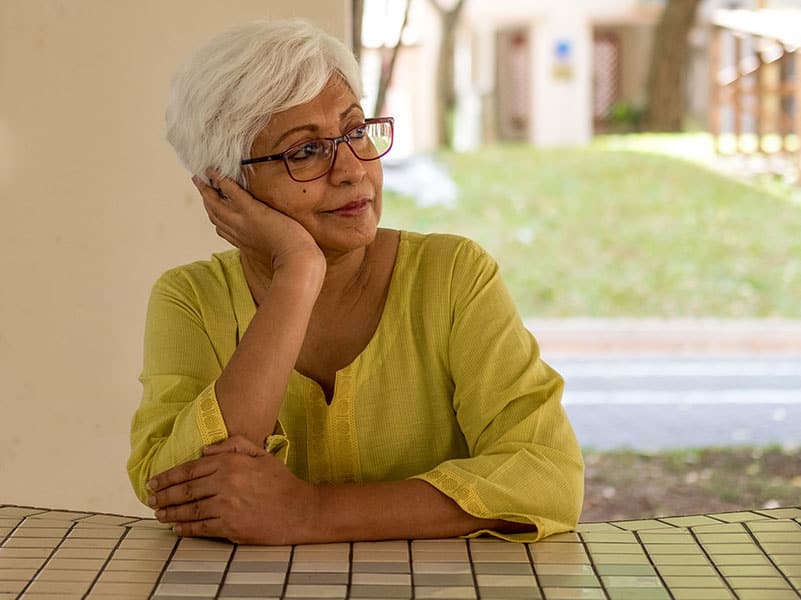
[340, 210]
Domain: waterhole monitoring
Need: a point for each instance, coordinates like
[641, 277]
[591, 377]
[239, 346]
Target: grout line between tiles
[287, 572]
[534, 570]
[10, 533]
[592, 564]
[105, 562]
[653, 565]
[165, 565]
[47, 560]
[411, 566]
[472, 569]
[712, 562]
[225, 570]
[768, 556]
[350, 570]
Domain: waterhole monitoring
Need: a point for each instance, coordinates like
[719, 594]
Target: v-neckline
[245, 309]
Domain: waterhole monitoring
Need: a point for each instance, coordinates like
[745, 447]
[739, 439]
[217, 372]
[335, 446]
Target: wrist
[314, 524]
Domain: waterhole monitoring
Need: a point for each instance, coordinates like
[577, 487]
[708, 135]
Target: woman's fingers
[214, 527]
[194, 469]
[237, 444]
[194, 510]
[227, 187]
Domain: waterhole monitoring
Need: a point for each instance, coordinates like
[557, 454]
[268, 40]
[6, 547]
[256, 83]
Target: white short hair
[225, 94]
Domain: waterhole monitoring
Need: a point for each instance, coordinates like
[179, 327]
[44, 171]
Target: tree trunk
[357, 12]
[446, 94]
[668, 71]
[388, 68]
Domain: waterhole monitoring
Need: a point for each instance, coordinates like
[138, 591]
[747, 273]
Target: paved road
[680, 401]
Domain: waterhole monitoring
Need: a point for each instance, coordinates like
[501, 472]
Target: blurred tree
[446, 94]
[388, 65]
[669, 59]
[357, 13]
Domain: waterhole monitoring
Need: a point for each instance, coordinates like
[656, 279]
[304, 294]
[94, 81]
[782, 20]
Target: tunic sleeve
[525, 464]
[179, 413]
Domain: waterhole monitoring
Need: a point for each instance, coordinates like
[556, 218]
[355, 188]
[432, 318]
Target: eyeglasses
[313, 159]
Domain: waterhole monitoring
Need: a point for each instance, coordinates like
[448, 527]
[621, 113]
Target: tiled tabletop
[752, 555]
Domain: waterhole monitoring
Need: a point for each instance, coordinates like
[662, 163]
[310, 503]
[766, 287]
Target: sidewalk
[585, 336]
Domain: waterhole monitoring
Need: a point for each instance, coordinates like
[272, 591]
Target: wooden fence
[755, 92]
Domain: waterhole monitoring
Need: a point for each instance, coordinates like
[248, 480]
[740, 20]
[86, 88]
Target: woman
[326, 379]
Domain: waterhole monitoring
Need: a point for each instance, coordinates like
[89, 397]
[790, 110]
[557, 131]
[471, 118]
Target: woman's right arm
[190, 399]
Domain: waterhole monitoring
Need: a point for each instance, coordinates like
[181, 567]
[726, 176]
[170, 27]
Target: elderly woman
[326, 379]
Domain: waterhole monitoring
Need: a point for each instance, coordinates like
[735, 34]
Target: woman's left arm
[240, 492]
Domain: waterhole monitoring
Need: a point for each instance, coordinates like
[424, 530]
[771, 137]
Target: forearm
[252, 385]
[410, 509]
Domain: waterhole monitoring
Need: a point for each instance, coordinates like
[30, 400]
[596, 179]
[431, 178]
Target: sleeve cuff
[277, 444]
[465, 496]
[210, 422]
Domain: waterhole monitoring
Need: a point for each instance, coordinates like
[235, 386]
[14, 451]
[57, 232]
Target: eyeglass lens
[314, 158]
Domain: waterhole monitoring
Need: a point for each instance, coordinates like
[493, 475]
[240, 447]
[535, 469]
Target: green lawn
[609, 231]
[626, 484]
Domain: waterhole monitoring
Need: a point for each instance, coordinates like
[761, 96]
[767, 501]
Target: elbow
[138, 475]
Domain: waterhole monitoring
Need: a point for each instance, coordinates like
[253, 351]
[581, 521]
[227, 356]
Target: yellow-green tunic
[451, 389]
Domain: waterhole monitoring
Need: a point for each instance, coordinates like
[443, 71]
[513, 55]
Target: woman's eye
[358, 132]
[306, 151]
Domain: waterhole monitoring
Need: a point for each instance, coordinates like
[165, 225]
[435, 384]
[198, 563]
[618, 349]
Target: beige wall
[94, 208]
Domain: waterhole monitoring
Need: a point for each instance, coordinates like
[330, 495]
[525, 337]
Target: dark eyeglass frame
[282, 156]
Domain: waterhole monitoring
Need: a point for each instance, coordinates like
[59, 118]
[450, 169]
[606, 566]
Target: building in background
[546, 72]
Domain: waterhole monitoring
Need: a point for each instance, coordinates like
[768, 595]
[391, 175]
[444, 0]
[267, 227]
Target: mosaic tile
[736, 517]
[638, 594]
[506, 568]
[510, 593]
[255, 578]
[380, 591]
[316, 591]
[112, 556]
[240, 566]
[383, 567]
[442, 579]
[129, 577]
[317, 578]
[49, 574]
[647, 524]
[250, 590]
[766, 595]
[691, 521]
[192, 577]
[574, 593]
[18, 511]
[315, 567]
[701, 594]
[781, 513]
[452, 592]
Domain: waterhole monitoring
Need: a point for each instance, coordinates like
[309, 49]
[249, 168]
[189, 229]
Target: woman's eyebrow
[348, 110]
[309, 127]
[314, 128]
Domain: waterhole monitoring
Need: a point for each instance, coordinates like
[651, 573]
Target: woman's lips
[351, 209]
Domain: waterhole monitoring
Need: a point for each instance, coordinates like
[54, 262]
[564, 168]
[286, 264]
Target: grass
[630, 485]
[623, 227]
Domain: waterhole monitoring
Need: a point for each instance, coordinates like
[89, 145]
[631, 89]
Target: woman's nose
[346, 167]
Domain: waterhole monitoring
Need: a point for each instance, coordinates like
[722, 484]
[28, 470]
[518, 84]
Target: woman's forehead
[334, 105]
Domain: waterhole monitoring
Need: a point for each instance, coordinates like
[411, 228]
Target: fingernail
[196, 180]
[151, 485]
[179, 530]
[160, 514]
[151, 501]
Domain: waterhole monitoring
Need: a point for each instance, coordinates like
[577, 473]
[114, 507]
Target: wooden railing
[755, 72]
